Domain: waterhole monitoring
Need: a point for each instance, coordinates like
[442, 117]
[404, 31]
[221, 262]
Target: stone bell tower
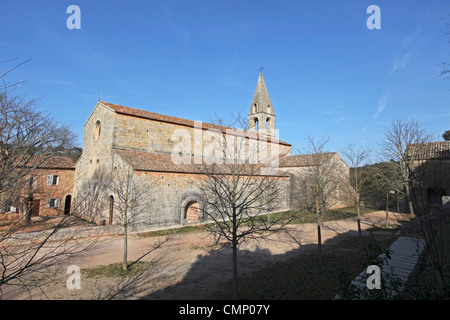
[261, 117]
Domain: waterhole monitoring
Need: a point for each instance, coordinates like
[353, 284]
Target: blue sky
[327, 74]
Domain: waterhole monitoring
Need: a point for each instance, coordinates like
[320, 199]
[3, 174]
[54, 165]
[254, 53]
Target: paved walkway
[403, 256]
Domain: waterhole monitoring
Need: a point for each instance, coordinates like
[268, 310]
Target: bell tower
[261, 117]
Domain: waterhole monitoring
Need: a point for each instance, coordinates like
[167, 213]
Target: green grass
[115, 270]
[299, 217]
[294, 217]
[172, 231]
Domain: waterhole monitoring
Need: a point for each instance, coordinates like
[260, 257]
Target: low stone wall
[90, 232]
[78, 233]
[63, 234]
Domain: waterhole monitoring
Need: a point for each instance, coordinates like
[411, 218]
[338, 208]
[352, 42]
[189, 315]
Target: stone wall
[60, 191]
[41, 192]
[430, 180]
[166, 201]
[337, 178]
[160, 137]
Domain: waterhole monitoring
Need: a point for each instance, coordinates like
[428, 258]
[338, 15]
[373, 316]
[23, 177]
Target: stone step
[404, 254]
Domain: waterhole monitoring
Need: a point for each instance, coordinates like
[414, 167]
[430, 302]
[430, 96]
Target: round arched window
[97, 130]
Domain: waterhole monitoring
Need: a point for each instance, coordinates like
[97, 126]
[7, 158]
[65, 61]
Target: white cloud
[338, 120]
[408, 43]
[381, 106]
[400, 62]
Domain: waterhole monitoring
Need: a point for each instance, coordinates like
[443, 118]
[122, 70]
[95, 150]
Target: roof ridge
[121, 109]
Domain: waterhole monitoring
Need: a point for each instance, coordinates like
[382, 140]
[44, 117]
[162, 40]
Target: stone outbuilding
[47, 189]
[430, 167]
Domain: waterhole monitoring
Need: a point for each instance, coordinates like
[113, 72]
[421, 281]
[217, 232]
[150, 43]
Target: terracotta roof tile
[158, 162]
[46, 162]
[429, 150]
[169, 119]
[303, 160]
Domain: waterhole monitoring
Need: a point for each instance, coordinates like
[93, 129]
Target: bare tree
[28, 138]
[27, 262]
[428, 180]
[357, 157]
[322, 181]
[445, 66]
[238, 190]
[397, 137]
[131, 194]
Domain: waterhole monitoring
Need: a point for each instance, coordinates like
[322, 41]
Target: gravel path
[181, 266]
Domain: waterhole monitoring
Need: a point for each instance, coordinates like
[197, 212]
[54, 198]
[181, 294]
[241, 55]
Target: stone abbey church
[123, 138]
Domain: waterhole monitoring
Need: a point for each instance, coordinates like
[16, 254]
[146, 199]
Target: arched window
[254, 108]
[97, 130]
[268, 124]
[111, 209]
[256, 123]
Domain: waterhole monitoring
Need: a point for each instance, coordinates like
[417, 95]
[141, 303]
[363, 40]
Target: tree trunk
[387, 210]
[27, 213]
[358, 210]
[125, 247]
[440, 278]
[408, 199]
[234, 243]
[359, 229]
[319, 242]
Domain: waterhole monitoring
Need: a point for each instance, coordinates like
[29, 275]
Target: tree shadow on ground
[262, 274]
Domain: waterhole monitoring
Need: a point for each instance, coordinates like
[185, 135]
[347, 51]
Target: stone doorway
[192, 212]
[67, 204]
[34, 208]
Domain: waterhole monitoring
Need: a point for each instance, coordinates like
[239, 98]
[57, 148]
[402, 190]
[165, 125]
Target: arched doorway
[67, 204]
[192, 212]
[111, 210]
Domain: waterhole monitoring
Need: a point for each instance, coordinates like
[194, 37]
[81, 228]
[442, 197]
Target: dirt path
[182, 265]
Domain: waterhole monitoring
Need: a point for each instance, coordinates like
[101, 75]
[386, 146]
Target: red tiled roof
[304, 160]
[429, 150]
[46, 162]
[158, 162]
[169, 119]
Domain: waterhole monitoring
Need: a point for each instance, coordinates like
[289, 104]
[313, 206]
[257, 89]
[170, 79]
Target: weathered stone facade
[119, 138]
[301, 169]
